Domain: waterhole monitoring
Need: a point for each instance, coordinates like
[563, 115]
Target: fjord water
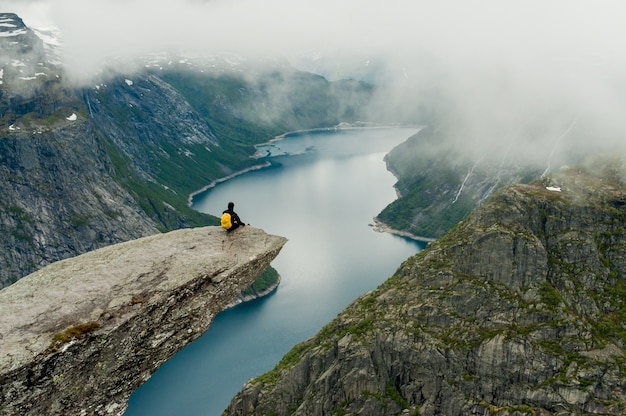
[321, 192]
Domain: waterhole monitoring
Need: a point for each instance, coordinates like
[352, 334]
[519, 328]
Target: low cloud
[548, 76]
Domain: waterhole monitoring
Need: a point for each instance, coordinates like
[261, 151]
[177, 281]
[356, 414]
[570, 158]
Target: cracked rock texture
[80, 335]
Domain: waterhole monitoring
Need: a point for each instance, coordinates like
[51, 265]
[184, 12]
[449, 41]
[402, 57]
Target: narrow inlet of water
[321, 192]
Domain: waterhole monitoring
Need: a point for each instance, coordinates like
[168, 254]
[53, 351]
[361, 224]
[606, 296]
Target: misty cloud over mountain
[514, 80]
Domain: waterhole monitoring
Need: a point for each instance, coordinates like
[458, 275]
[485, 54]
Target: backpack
[226, 221]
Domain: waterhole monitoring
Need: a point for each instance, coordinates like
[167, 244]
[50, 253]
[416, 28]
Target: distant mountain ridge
[85, 167]
[438, 185]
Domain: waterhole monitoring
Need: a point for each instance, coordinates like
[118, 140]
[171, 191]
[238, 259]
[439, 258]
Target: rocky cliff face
[518, 310]
[60, 199]
[440, 183]
[59, 177]
[80, 335]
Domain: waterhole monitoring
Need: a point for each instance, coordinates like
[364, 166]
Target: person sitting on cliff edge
[230, 220]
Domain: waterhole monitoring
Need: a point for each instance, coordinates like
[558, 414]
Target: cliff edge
[80, 335]
[518, 310]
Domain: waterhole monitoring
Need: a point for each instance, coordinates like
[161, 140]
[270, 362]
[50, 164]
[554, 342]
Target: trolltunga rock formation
[80, 335]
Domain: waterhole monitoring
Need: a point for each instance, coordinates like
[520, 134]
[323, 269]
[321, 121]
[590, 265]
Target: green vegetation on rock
[268, 279]
[439, 185]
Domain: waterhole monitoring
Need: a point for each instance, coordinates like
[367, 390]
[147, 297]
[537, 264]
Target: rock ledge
[80, 335]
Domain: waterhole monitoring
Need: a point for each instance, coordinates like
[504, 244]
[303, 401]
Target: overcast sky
[520, 32]
[500, 62]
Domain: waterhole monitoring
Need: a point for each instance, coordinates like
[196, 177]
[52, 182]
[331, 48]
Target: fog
[530, 78]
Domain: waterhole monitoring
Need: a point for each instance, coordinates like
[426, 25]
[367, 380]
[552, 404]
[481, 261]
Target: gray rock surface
[78, 336]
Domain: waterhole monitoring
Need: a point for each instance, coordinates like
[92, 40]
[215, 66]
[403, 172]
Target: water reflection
[322, 200]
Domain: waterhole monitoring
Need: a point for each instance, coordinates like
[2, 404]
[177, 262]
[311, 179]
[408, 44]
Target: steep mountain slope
[438, 185]
[269, 98]
[85, 167]
[59, 197]
[517, 310]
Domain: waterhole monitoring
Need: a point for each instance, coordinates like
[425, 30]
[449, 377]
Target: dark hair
[231, 205]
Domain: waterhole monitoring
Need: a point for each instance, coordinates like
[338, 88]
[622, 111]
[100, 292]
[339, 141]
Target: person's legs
[233, 228]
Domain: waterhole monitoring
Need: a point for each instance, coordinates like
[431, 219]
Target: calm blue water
[321, 193]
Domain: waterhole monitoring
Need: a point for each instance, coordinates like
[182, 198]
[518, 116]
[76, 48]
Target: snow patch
[553, 188]
[49, 36]
[73, 117]
[129, 82]
[13, 33]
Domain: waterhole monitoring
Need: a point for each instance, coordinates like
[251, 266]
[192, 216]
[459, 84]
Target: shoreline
[224, 179]
[378, 225]
[381, 227]
[247, 298]
[340, 126]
